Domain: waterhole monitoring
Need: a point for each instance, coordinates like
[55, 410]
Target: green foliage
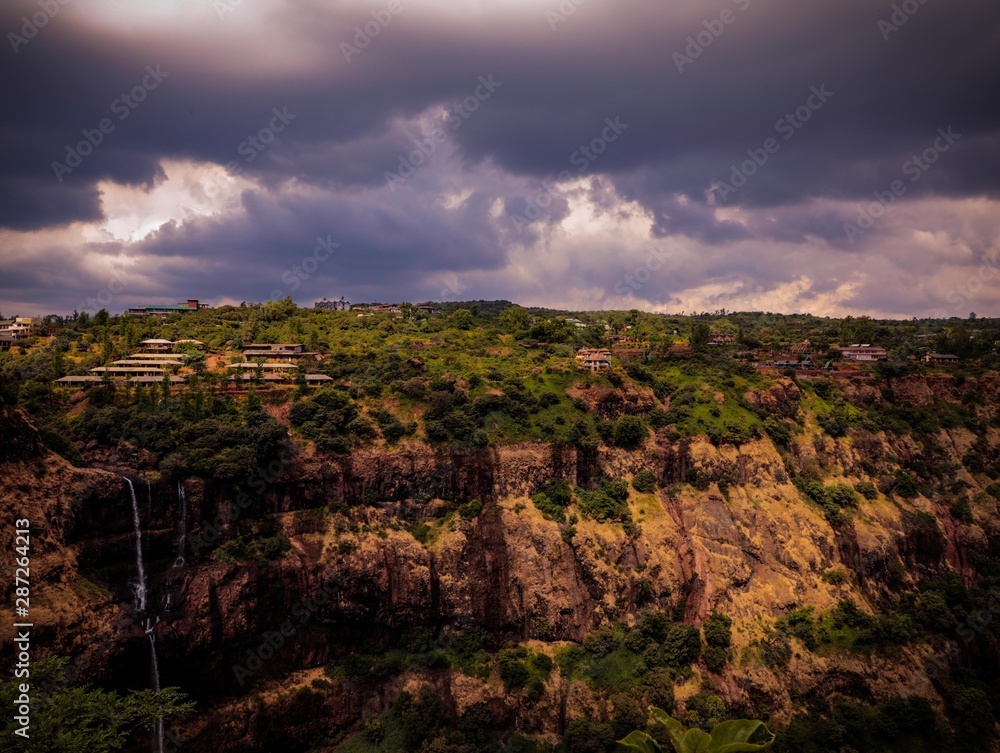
[736, 736]
[608, 502]
[866, 489]
[513, 671]
[833, 499]
[905, 484]
[836, 576]
[240, 550]
[629, 432]
[644, 481]
[718, 630]
[82, 719]
[470, 510]
[682, 645]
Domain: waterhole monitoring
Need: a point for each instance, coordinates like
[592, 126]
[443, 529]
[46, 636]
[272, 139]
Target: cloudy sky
[669, 155]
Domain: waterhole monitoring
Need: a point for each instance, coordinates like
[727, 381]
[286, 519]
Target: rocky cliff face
[742, 541]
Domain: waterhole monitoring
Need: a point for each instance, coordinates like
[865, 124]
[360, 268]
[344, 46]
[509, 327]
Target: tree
[629, 431]
[700, 335]
[463, 319]
[737, 736]
[84, 719]
[515, 319]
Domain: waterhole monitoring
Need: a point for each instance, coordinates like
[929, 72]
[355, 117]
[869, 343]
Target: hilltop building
[193, 304]
[864, 352]
[341, 305]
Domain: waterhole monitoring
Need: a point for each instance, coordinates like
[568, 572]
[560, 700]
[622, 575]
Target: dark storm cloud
[353, 120]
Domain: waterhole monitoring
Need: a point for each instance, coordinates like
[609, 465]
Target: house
[794, 365]
[384, 308]
[341, 305]
[158, 362]
[722, 338]
[864, 352]
[193, 304]
[16, 329]
[6, 341]
[153, 357]
[121, 372]
[803, 348]
[68, 380]
[596, 362]
[939, 358]
[594, 359]
[278, 351]
[251, 366]
[157, 346]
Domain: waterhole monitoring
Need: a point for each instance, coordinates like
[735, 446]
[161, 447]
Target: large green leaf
[640, 742]
[695, 741]
[673, 727]
[736, 736]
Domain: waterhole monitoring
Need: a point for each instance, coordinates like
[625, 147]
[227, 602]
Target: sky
[838, 158]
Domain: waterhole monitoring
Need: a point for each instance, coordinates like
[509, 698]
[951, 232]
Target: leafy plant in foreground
[737, 736]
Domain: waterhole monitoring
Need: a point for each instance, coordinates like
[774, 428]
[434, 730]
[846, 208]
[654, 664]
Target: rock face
[743, 541]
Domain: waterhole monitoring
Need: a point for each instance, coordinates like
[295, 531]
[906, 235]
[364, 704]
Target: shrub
[644, 481]
[775, 649]
[513, 672]
[866, 489]
[682, 645]
[905, 484]
[629, 432]
[836, 576]
[716, 658]
[718, 630]
[470, 510]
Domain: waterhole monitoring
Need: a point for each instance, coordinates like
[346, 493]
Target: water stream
[182, 497]
[139, 590]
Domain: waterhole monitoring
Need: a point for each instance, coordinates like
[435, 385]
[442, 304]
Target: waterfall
[140, 587]
[182, 497]
[156, 678]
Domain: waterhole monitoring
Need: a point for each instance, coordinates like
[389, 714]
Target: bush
[644, 481]
[775, 649]
[588, 736]
[682, 646]
[866, 489]
[836, 576]
[718, 630]
[716, 658]
[470, 510]
[548, 508]
[905, 484]
[513, 671]
[629, 432]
